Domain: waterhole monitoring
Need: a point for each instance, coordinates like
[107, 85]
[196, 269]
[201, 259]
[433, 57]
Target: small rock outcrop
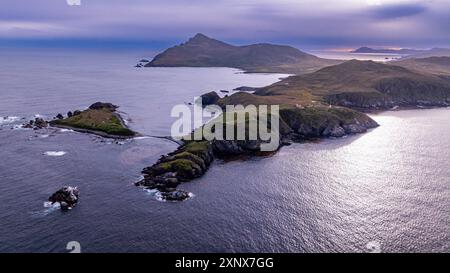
[36, 124]
[103, 105]
[67, 197]
[210, 98]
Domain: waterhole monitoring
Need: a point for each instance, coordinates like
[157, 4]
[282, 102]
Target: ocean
[388, 188]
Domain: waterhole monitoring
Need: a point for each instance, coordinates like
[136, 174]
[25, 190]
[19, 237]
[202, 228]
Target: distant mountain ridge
[403, 51]
[408, 52]
[202, 51]
[434, 52]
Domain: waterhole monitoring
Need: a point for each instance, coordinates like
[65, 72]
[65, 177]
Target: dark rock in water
[69, 114]
[40, 123]
[210, 98]
[138, 65]
[67, 197]
[59, 116]
[176, 195]
[224, 91]
[144, 61]
[76, 112]
[29, 125]
[103, 105]
[37, 123]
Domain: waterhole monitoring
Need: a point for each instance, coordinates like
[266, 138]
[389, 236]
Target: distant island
[407, 52]
[202, 51]
[434, 52]
[402, 51]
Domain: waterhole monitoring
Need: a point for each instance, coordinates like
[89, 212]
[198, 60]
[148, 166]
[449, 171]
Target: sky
[310, 24]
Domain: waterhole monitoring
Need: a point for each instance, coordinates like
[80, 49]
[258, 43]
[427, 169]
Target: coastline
[93, 132]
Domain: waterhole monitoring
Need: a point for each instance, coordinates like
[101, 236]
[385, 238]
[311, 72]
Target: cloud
[398, 11]
[298, 22]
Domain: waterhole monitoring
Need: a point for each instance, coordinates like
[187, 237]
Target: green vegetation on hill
[202, 51]
[361, 84]
[432, 65]
[101, 120]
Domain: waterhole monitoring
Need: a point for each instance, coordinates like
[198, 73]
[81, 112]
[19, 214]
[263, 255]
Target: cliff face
[202, 51]
[366, 84]
[323, 122]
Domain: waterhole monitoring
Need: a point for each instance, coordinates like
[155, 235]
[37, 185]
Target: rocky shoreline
[192, 159]
[189, 161]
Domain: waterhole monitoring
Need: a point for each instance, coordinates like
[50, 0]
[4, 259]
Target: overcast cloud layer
[309, 23]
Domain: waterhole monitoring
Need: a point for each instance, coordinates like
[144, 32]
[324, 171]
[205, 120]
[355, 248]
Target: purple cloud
[320, 22]
[398, 11]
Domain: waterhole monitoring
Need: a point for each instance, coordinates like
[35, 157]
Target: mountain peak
[203, 51]
[199, 37]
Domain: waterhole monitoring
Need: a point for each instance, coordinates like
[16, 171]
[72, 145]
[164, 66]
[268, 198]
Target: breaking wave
[55, 153]
[8, 120]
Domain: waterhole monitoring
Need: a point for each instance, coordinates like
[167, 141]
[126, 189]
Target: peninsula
[202, 51]
[312, 106]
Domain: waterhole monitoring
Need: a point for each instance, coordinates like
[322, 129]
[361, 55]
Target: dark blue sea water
[389, 188]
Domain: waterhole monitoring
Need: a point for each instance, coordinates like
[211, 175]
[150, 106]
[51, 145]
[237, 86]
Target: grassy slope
[433, 65]
[362, 82]
[102, 120]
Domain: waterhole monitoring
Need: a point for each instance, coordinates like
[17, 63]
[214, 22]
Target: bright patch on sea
[55, 153]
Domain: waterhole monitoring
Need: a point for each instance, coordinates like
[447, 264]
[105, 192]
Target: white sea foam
[49, 208]
[55, 153]
[52, 205]
[8, 120]
[156, 194]
[141, 137]
[20, 127]
[65, 130]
